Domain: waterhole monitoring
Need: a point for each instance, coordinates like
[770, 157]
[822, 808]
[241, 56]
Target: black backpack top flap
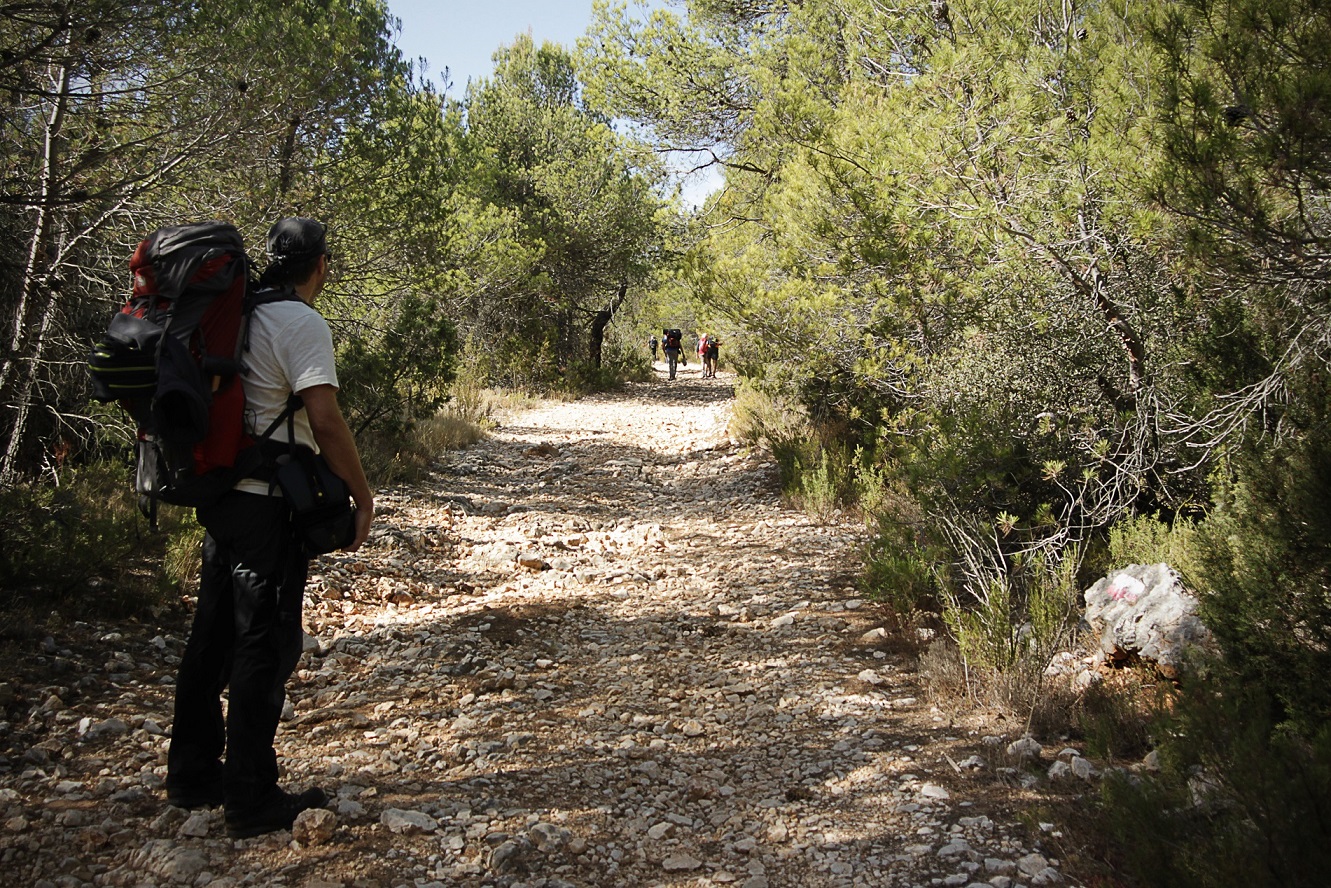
[134, 332]
[178, 250]
[220, 236]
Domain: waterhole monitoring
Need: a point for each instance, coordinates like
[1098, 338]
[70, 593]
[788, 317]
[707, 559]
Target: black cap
[295, 239]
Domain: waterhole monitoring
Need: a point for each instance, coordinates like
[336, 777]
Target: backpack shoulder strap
[254, 297]
[264, 295]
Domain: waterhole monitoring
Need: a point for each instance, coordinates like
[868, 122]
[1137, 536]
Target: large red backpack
[173, 357]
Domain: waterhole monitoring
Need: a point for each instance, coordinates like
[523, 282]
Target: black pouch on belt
[321, 507]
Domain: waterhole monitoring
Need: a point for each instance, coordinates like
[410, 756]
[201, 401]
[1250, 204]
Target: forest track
[595, 649]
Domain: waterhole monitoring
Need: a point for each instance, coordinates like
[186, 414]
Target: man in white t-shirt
[247, 626]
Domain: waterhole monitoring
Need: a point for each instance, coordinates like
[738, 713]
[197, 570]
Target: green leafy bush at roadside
[1242, 799]
[389, 377]
[1238, 800]
[824, 478]
[1264, 573]
[405, 455]
[83, 547]
[1149, 539]
[759, 417]
[820, 470]
[899, 573]
[1007, 620]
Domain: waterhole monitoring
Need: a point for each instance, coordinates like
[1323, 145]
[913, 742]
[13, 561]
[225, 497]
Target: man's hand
[364, 518]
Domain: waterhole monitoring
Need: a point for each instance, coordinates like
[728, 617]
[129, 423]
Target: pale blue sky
[462, 35]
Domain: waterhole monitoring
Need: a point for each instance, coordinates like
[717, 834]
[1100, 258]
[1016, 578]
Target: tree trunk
[286, 174]
[23, 402]
[601, 320]
[35, 283]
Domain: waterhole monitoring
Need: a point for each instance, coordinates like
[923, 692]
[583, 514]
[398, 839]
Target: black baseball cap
[297, 238]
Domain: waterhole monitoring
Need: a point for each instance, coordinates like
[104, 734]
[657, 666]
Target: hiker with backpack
[672, 342]
[653, 344]
[712, 355]
[247, 632]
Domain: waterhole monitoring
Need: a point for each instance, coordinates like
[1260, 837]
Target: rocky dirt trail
[594, 650]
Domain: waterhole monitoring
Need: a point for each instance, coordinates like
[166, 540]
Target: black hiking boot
[205, 795]
[277, 812]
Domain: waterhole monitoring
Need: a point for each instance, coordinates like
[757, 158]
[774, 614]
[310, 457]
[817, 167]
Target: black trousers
[246, 636]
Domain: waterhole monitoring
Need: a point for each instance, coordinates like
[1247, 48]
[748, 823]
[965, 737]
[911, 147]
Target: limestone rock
[314, 827]
[680, 862]
[1143, 611]
[408, 822]
[1025, 748]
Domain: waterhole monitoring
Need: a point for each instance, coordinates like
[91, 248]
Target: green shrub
[183, 554]
[1007, 619]
[1022, 609]
[1243, 799]
[1148, 539]
[825, 480]
[899, 574]
[395, 367]
[405, 455]
[983, 626]
[583, 378]
[466, 397]
[82, 547]
[759, 417]
[1265, 567]
[1238, 801]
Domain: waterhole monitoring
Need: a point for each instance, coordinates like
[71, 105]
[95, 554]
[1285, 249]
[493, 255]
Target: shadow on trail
[688, 388]
[498, 749]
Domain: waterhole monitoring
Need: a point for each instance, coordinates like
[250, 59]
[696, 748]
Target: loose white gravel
[594, 649]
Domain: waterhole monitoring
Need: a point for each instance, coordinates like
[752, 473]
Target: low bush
[1237, 802]
[899, 573]
[1246, 746]
[1006, 619]
[757, 417]
[1150, 539]
[405, 456]
[81, 547]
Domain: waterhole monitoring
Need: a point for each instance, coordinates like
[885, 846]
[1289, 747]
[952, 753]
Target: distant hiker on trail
[247, 634]
[712, 355]
[702, 353]
[653, 343]
[672, 341]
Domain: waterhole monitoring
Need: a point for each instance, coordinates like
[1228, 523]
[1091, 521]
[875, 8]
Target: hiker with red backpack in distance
[713, 355]
[247, 627]
[702, 353]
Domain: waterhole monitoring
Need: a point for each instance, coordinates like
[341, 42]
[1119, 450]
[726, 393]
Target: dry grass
[1022, 693]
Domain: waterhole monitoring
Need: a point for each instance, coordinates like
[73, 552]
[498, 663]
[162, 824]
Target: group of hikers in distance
[672, 344]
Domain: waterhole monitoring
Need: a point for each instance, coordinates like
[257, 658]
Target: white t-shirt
[291, 349]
